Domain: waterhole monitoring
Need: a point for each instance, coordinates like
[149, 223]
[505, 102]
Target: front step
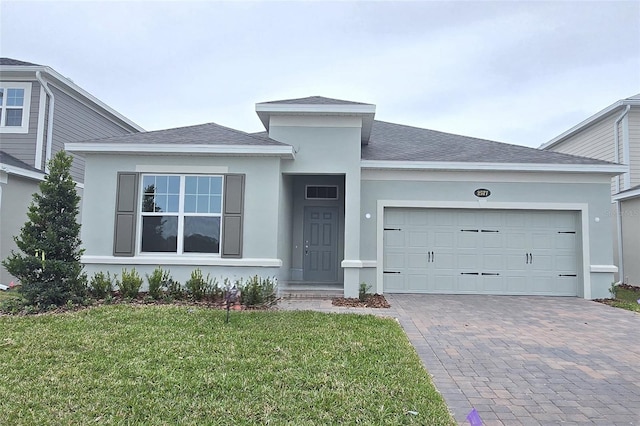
[310, 291]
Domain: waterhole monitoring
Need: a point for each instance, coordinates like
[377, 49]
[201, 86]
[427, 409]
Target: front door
[320, 244]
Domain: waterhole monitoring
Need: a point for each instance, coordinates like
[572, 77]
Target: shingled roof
[201, 134]
[315, 100]
[9, 61]
[396, 142]
[12, 161]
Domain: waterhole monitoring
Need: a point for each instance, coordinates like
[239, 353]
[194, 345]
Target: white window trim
[26, 107]
[180, 214]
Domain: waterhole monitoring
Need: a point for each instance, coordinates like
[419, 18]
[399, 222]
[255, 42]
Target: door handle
[306, 248]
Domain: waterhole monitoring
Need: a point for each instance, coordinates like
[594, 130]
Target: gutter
[45, 86]
[616, 145]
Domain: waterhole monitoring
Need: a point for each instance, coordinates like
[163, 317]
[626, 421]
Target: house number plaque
[482, 193]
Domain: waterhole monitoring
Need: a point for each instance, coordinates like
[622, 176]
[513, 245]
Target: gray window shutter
[126, 209]
[232, 216]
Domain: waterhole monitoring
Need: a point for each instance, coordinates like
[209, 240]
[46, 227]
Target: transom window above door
[181, 213]
[321, 192]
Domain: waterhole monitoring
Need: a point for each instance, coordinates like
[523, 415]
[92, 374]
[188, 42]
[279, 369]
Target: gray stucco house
[613, 134]
[328, 194]
[40, 111]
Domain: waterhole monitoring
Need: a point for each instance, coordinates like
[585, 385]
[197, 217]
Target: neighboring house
[613, 134]
[40, 111]
[329, 195]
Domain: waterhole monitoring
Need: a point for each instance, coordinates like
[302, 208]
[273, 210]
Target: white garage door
[480, 251]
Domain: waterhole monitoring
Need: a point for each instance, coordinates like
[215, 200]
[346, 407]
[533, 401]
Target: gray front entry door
[320, 244]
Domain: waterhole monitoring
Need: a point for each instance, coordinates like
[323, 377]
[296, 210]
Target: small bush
[101, 285]
[129, 284]
[175, 289]
[258, 291]
[158, 281]
[199, 287]
[363, 291]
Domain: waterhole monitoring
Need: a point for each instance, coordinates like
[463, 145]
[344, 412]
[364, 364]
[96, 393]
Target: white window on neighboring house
[181, 213]
[15, 100]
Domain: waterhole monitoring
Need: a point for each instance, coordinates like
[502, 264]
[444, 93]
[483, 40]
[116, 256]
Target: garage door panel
[542, 241]
[565, 263]
[418, 239]
[515, 240]
[468, 261]
[417, 260]
[417, 217]
[417, 282]
[465, 239]
[492, 240]
[444, 261]
[492, 263]
[542, 262]
[394, 239]
[444, 239]
[443, 282]
[493, 284]
[395, 261]
[468, 283]
[393, 282]
[459, 251]
[565, 241]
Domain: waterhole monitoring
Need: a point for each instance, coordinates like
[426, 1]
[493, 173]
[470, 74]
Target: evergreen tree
[49, 267]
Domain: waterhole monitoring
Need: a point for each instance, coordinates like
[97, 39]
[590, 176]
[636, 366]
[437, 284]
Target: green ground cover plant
[626, 297]
[125, 364]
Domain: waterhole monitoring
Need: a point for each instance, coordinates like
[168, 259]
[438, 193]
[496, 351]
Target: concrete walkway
[522, 360]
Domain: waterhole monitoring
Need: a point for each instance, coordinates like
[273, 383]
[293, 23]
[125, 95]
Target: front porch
[309, 290]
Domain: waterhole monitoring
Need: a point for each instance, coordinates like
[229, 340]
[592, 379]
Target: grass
[9, 294]
[168, 365]
[626, 298]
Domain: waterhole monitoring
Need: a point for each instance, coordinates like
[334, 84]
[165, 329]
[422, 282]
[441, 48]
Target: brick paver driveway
[528, 360]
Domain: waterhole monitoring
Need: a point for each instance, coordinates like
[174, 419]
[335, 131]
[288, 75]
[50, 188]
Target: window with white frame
[181, 213]
[15, 99]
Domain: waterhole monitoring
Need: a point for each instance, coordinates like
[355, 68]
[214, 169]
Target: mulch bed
[372, 301]
[613, 301]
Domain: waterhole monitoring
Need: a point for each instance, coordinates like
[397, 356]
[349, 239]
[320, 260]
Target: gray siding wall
[634, 145]
[595, 141]
[73, 121]
[23, 145]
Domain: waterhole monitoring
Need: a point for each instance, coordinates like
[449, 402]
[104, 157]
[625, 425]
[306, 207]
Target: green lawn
[627, 298]
[178, 365]
[9, 294]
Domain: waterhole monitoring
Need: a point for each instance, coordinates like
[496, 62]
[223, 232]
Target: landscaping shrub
[158, 282]
[363, 291]
[258, 291]
[175, 289]
[101, 285]
[198, 287]
[48, 266]
[129, 283]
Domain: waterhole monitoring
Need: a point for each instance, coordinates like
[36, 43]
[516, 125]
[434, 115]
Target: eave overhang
[609, 169]
[284, 152]
[366, 111]
[589, 121]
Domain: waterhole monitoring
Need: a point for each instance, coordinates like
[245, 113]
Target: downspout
[616, 145]
[49, 119]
